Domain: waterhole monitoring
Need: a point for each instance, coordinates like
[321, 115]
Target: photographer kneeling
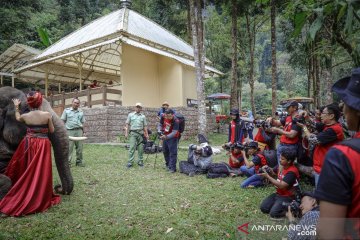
[286, 184]
[310, 213]
[251, 168]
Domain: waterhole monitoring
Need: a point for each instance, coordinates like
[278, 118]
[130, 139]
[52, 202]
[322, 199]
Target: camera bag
[186, 168]
[181, 119]
[353, 143]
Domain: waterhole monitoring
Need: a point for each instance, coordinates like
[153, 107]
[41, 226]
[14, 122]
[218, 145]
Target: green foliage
[44, 37]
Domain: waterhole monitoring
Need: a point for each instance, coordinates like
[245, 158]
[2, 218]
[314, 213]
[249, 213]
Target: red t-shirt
[238, 157]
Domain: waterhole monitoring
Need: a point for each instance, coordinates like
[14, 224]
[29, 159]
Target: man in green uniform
[74, 120]
[136, 129]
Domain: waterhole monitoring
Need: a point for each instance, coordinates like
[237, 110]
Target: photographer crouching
[168, 130]
[252, 168]
[286, 184]
[310, 213]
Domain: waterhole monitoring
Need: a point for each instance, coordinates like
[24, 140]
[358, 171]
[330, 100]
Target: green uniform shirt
[73, 118]
[137, 121]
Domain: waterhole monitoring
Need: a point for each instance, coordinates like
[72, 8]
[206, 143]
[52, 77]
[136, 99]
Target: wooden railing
[58, 102]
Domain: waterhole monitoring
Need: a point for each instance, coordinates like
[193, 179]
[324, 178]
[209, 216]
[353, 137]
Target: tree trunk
[327, 74]
[251, 70]
[273, 58]
[234, 88]
[309, 74]
[199, 58]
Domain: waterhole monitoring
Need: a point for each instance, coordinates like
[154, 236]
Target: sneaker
[141, 164]
[80, 164]
[129, 165]
[277, 219]
[172, 171]
[191, 174]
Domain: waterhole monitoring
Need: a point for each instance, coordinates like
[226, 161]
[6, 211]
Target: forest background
[268, 50]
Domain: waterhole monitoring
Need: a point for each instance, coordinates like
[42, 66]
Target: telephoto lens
[193, 147]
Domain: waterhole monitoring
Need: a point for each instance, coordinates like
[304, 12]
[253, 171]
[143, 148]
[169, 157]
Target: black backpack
[271, 158]
[181, 119]
[353, 143]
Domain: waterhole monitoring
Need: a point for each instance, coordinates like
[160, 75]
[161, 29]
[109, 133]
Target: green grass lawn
[111, 202]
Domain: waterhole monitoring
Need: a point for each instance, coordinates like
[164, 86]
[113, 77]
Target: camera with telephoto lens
[228, 146]
[294, 208]
[203, 150]
[299, 119]
[262, 123]
[193, 147]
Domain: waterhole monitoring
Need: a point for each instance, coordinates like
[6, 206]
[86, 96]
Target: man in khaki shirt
[136, 129]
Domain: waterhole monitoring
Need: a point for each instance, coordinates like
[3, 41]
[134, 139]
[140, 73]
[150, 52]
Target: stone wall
[106, 124]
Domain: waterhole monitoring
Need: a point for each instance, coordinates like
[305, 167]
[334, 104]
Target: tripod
[153, 148]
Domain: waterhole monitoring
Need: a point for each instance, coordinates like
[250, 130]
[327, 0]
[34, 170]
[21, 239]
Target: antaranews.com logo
[274, 230]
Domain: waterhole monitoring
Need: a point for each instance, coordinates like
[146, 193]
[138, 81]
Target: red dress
[30, 171]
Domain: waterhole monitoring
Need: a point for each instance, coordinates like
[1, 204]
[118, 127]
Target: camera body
[160, 133]
[230, 147]
[262, 123]
[267, 169]
[299, 119]
[202, 150]
[294, 208]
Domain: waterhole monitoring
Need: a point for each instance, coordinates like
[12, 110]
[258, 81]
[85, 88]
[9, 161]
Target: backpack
[353, 143]
[181, 119]
[271, 158]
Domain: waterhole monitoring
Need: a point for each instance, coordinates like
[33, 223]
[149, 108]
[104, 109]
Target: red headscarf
[34, 99]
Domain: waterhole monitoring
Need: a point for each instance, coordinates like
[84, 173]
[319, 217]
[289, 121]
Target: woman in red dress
[30, 168]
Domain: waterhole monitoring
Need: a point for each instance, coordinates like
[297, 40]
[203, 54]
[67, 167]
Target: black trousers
[273, 205]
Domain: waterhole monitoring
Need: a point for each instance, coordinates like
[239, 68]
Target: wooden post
[80, 72]
[46, 82]
[104, 95]
[51, 101]
[2, 80]
[59, 87]
[88, 94]
[63, 99]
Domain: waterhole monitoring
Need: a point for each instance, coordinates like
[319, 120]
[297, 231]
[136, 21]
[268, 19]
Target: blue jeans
[170, 152]
[255, 180]
[283, 147]
[247, 171]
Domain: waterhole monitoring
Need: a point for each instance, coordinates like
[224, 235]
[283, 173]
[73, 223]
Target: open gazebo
[143, 61]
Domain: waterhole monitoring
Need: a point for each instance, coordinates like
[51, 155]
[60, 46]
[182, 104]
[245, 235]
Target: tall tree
[273, 57]
[234, 79]
[250, 26]
[199, 58]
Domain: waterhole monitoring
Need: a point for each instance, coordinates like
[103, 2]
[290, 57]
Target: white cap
[138, 105]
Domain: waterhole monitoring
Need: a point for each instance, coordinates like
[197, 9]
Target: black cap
[234, 111]
[292, 103]
[348, 89]
[309, 194]
[169, 111]
[253, 144]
